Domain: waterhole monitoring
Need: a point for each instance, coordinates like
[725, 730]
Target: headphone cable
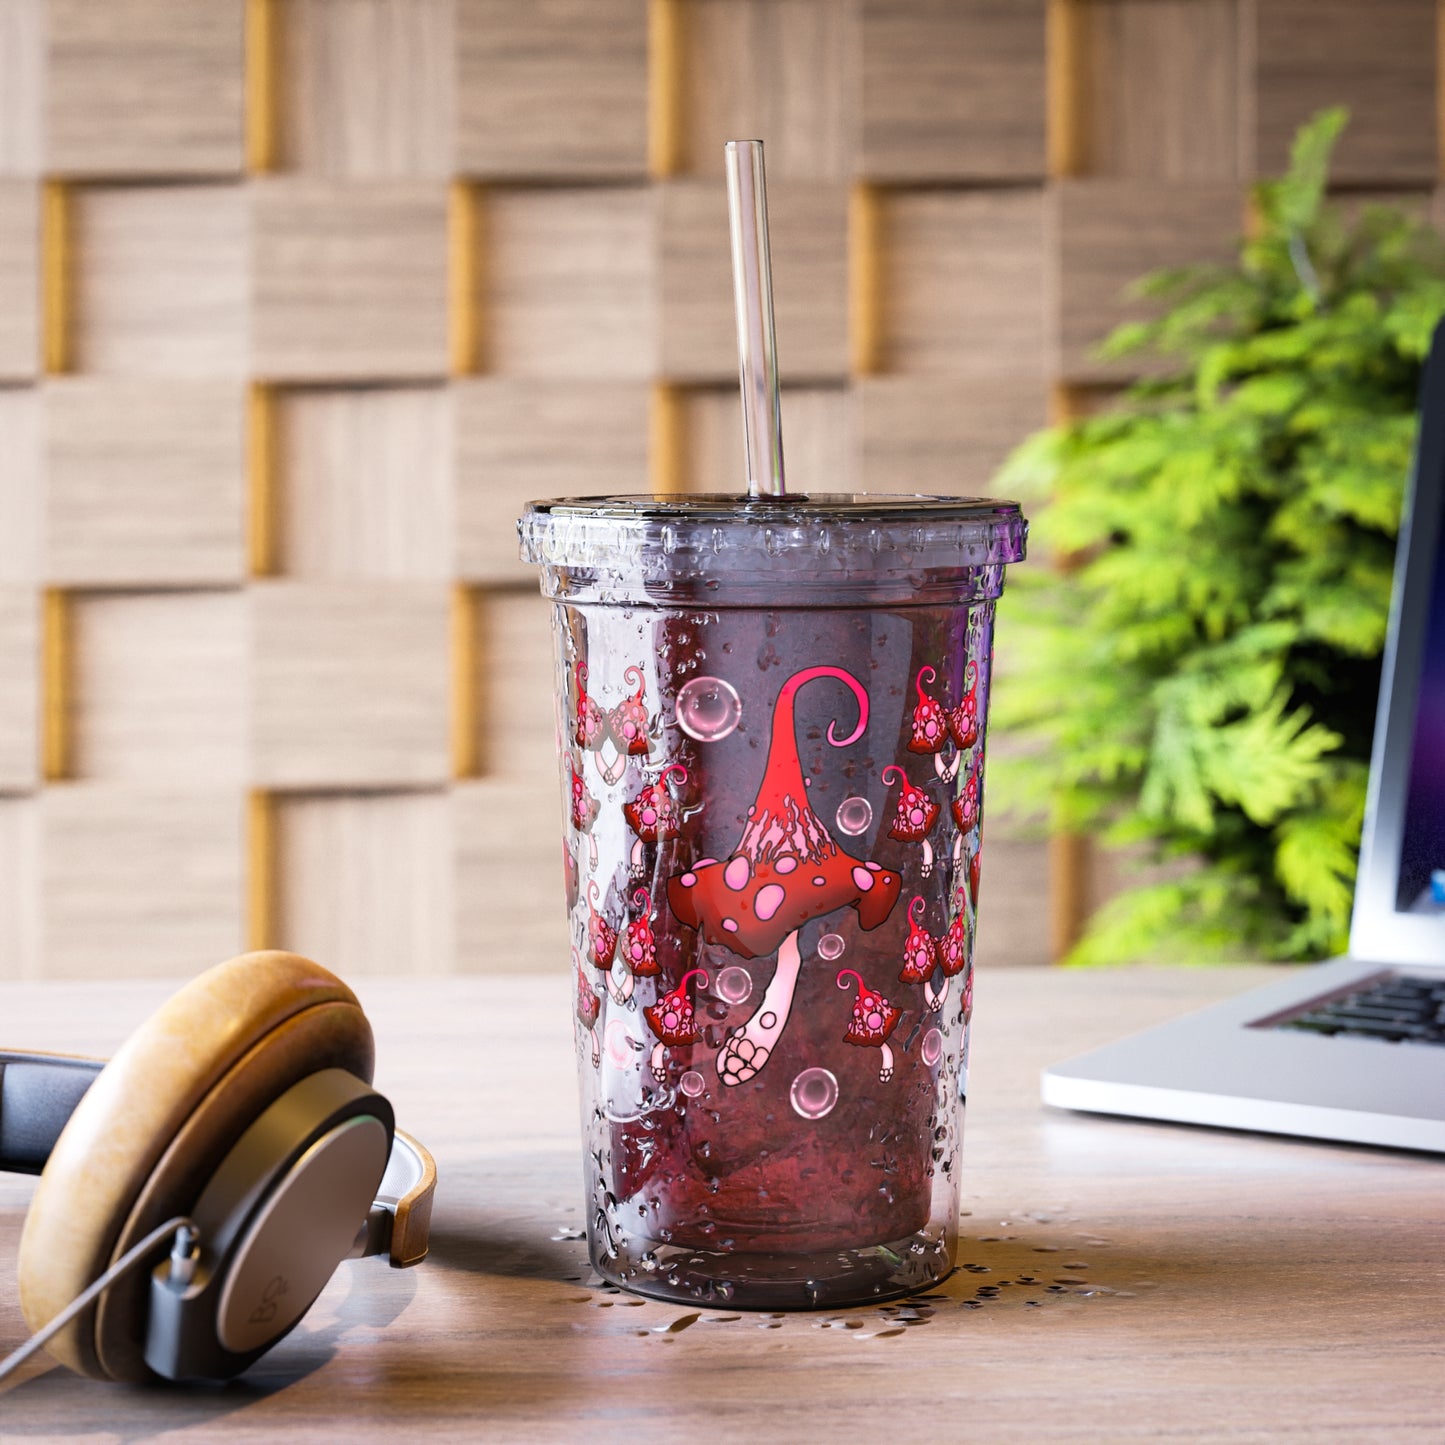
[183, 1256]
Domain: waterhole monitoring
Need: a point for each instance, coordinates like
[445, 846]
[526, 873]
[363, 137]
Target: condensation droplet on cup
[932, 1047]
[854, 814]
[734, 984]
[708, 708]
[830, 946]
[814, 1093]
[691, 1083]
[618, 1045]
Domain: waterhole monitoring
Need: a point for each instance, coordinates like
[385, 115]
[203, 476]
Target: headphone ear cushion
[155, 1124]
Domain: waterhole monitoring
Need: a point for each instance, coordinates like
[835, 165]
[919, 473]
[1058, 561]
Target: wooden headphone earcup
[153, 1127]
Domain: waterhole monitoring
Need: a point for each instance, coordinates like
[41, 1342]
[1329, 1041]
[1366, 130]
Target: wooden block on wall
[350, 280]
[144, 88]
[158, 687]
[952, 89]
[366, 881]
[366, 88]
[1108, 234]
[568, 288]
[521, 440]
[936, 434]
[19, 688]
[139, 882]
[22, 86]
[160, 280]
[365, 483]
[808, 226]
[517, 711]
[350, 684]
[511, 908]
[551, 90]
[20, 484]
[818, 450]
[20, 887]
[779, 71]
[963, 278]
[1157, 89]
[144, 481]
[1378, 59]
[19, 280]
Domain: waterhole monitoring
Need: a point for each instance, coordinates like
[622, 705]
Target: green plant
[1203, 680]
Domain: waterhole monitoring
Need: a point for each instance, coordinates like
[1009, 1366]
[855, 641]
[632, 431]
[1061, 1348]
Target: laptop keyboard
[1397, 1008]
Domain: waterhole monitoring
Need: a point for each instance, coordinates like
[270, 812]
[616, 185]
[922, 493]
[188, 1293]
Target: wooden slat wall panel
[515, 687]
[817, 440]
[22, 72]
[19, 279]
[364, 483]
[367, 88]
[144, 481]
[20, 694]
[557, 90]
[21, 485]
[144, 88]
[20, 952]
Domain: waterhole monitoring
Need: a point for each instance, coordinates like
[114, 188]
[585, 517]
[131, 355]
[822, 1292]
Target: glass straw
[753, 299]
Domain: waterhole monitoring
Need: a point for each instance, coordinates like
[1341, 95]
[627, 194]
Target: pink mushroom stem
[935, 1000]
[592, 849]
[947, 771]
[638, 865]
[658, 1063]
[596, 1047]
[748, 1050]
[885, 1064]
[927, 857]
[619, 981]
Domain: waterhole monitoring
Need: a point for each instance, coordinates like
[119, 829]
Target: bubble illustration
[734, 984]
[814, 1093]
[932, 1047]
[691, 1083]
[708, 708]
[854, 815]
[830, 946]
[618, 1044]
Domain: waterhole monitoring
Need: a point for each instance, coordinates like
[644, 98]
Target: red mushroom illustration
[654, 814]
[673, 1020]
[916, 815]
[601, 935]
[637, 952]
[930, 721]
[920, 952]
[571, 877]
[785, 870]
[951, 949]
[589, 727]
[874, 1018]
[965, 808]
[966, 1011]
[589, 1008]
[584, 811]
[973, 872]
[628, 729]
[963, 720]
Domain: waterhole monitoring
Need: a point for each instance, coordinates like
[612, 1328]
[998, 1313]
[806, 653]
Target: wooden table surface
[1214, 1286]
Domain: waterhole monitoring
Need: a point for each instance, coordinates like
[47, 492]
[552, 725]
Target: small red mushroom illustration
[654, 814]
[628, 730]
[930, 721]
[873, 1019]
[920, 952]
[914, 819]
[601, 935]
[589, 1008]
[952, 951]
[674, 1021]
[637, 953]
[963, 720]
[973, 872]
[589, 727]
[965, 808]
[584, 811]
[785, 870]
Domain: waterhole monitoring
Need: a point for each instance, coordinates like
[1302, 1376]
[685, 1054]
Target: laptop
[1352, 1049]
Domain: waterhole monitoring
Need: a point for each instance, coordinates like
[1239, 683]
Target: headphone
[238, 1126]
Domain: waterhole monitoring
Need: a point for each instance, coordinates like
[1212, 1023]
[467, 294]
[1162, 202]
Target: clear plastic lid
[823, 549]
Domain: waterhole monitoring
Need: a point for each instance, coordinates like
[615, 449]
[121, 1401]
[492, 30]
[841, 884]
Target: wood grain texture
[568, 282]
[20, 955]
[516, 711]
[962, 277]
[160, 280]
[138, 880]
[808, 236]
[366, 881]
[952, 89]
[22, 72]
[19, 280]
[364, 483]
[1379, 60]
[143, 481]
[783, 70]
[21, 493]
[349, 684]
[556, 90]
[1158, 89]
[144, 88]
[158, 688]
[518, 440]
[366, 88]
[1244, 1286]
[817, 439]
[19, 689]
[937, 434]
[350, 279]
[1108, 234]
